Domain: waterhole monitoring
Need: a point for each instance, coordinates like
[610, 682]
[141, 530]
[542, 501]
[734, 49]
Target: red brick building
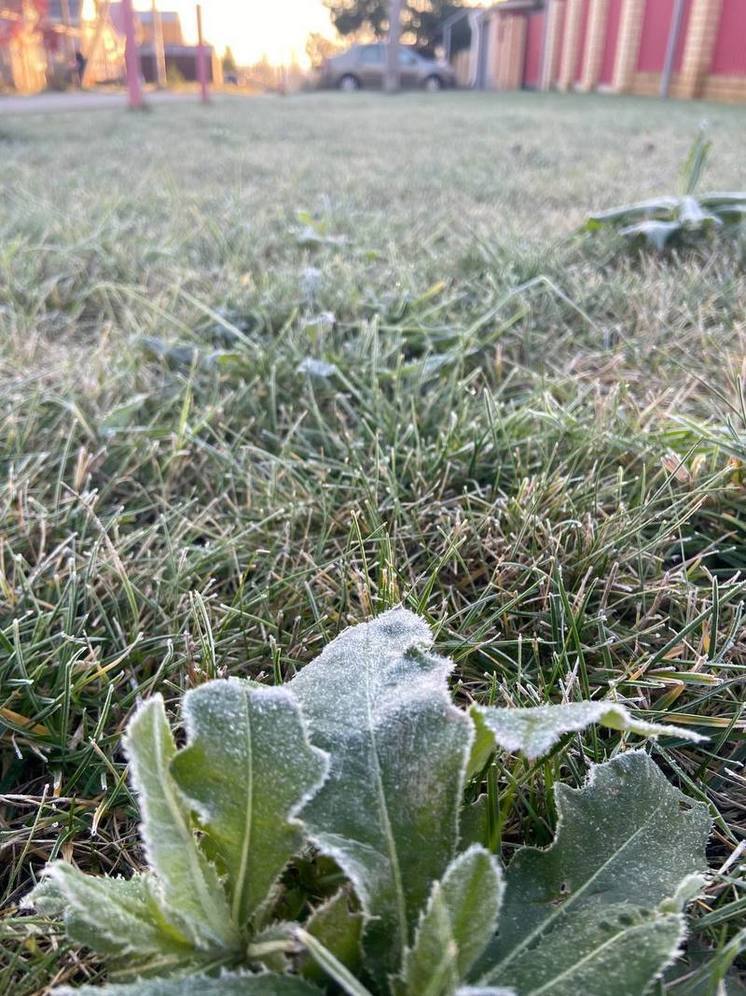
[690, 48]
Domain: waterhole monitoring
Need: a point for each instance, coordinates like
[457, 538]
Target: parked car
[364, 67]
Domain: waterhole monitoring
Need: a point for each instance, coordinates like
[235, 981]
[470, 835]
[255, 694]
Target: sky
[253, 28]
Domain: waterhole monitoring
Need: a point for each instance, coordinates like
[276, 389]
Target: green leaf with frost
[188, 883]
[484, 991]
[619, 954]
[340, 929]
[228, 984]
[376, 700]
[534, 731]
[599, 910]
[475, 822]
[456, 926]
[110, 915]
[270, 948]
[331, 966]
[655, 234]
[246, 770]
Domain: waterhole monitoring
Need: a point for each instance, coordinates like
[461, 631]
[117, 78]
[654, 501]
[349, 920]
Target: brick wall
[622, 45]
[726, 79]
[729, 55]
[574, 15]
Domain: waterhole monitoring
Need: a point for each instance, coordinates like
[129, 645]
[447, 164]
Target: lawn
[535, 440]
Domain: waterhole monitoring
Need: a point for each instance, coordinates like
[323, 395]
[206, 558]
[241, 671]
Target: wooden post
[393, 74]
[159, 53]
[67, 22]
[201, 59]
[131, 57]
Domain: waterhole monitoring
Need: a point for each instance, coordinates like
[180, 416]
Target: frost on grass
[316, 368]
[377, 701]
[604, 901]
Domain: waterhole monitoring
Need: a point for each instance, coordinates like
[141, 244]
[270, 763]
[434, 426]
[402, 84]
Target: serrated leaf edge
[293, 817]
[612, 715]
[680, 893]
[437, 888]
[215, 933]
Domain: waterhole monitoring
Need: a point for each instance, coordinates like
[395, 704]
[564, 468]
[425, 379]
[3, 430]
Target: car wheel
[433, 84]
[348, 83]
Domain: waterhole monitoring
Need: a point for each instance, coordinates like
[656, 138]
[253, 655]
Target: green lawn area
[533, 439]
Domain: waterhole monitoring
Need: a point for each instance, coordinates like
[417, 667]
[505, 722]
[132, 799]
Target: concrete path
[53, 103]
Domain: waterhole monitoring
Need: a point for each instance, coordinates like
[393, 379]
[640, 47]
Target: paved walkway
[53, 103]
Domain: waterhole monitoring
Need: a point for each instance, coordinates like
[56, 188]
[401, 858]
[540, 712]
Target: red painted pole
[131, 57]
[201, 59]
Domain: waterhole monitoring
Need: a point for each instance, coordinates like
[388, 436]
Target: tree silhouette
[422, 22]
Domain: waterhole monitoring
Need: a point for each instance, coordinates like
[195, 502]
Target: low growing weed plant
[676, 221]
[315, 838]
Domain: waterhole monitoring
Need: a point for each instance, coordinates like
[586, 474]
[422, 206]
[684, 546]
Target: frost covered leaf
[484, 991]
[598, 911]
[458, 922]
[655, 234]
[534, 731]
[377, 701]
[474, 822]
[188, 883]
[108, 915]
[228, 984]
[339, 929]
[247, 769]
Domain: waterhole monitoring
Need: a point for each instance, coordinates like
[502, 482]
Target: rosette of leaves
[601, 911]
[666, 222]
[219, 825]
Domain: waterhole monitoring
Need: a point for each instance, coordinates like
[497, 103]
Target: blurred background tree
[319, 48]
[422, 20]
